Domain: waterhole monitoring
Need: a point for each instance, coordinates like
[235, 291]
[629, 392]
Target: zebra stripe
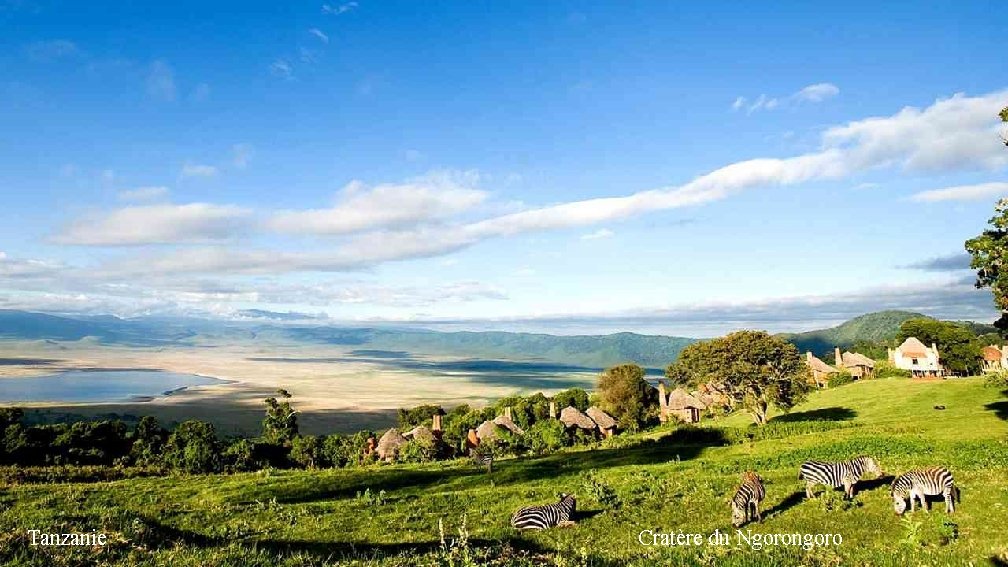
[545, 516]
[483, 461]
[747, 499]
[837, 474]
[918, 484]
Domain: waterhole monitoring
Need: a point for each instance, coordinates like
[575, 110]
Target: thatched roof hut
[420, 433]
[605, 422]
[389, 444]
[991, 353]
[571, 417]
[506, 422]
[684, 406]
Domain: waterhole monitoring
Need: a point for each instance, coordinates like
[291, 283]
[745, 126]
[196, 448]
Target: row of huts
[911, 355]
[593, 421]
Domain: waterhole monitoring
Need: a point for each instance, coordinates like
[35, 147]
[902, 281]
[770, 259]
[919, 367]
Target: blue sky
[569, 167]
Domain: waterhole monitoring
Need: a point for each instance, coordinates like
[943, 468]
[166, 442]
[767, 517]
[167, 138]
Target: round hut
[606, 423]
[572, 418]
[684, 406]
[389, 444]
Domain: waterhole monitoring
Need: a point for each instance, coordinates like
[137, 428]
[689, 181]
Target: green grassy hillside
[873, 327]
[668, 480]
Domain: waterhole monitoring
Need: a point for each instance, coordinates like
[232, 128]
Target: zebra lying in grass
[547, 515]
[747, 498]
[921, 483]
[844, 473]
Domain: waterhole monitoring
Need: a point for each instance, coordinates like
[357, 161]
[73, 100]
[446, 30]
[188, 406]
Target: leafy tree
[306, 451]
[193, 448]
[958, 346]
[753, 368]
[148, 441]
[240, 456]
[575, 397]
[989, 252]
[546, 436]
[625, 394]
[280, 425]
[420, 415]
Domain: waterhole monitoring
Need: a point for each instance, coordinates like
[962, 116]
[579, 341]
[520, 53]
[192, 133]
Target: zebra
[748, 497]
[483, 460]
[547, 515]
[835, 475]
[921, 483]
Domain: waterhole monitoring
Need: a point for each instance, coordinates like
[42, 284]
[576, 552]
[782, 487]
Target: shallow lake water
[97, 386]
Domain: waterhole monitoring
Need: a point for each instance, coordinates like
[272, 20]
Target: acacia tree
[752, 368]
[625, 394]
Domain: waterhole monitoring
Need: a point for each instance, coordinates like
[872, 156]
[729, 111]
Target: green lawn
[651, 481]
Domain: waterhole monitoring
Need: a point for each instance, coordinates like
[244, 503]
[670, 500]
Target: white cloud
[198, 170]
[241, 155]
[338, 9]
[600, 233]
[161, 81]
[425, 199]
[319, 34]
[51, 49]
[811, 93]
[817, 92]
[963, 193]
[281, 68]
[143, 193]
[156, 224]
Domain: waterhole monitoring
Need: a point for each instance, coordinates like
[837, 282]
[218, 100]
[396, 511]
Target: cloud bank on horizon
[819, 201]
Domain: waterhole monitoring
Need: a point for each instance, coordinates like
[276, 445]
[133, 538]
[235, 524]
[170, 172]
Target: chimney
[662, 398]
[808, 357]
[934, 349]
[552, 410]
[436, 425]
[507, 412]
[838, 358]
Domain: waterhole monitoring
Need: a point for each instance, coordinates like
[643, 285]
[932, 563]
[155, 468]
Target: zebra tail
[956, 495]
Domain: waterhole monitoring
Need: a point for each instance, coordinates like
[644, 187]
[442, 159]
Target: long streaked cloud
[963, 192]
[435, 196]
[948, 263]
[198, 170]
[156, 224]
[814, 93]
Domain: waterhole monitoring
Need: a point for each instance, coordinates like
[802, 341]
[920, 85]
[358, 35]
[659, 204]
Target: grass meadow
[667, 480]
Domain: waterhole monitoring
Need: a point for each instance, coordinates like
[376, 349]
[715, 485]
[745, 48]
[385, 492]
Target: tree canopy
[625, 394]
[958, 346]
[989, 251]
[754, 369]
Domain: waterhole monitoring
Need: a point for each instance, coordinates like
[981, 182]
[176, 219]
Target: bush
[193, 448]
[420, 415]
[997, 379]
[841, 378]
[306, 451]
[417, 451]
[546, 436]
[575, 397]
[240, 456]
[625, 394]
[603, 493]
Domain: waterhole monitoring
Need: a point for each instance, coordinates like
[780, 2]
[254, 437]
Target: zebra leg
[808, 489]
[949, 506]
[848, 489]
[759, 517]
[913, 504]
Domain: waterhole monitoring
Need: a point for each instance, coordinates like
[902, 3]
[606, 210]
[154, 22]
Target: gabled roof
[506, 422]
[991, 353]
[856, 359]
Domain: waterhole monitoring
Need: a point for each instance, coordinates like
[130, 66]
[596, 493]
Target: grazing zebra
[921, 483]
[483, 460]
[546, 516]
[835, 475]
[747, 498]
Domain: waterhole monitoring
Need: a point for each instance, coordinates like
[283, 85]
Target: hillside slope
[878, 326]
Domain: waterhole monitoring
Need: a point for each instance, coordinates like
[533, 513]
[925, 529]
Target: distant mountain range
[588, 351]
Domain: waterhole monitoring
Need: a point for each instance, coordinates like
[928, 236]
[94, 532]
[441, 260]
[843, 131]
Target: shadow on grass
[1000, 409]
[680, 445]
[999, 561]
[823, 414]
[884, 481]
[794, 499]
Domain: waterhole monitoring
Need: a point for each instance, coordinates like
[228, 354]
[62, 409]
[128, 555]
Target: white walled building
[920, 360]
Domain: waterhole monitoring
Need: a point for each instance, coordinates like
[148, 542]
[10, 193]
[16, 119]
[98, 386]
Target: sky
[569, 167]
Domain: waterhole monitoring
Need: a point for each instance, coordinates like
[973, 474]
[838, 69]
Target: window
[914, 362]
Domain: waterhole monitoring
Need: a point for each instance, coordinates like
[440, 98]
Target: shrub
[306, 451]
[997, 379]
[546, 437]
[602, 492]
[240, 456]
[841, 378]
[417, 451]
[193, 448]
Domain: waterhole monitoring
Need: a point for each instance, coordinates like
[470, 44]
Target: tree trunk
[759, 412]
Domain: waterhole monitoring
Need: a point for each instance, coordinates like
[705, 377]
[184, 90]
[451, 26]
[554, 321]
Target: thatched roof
[420, 433]
[816, 364]
[388, 445]
[604, 420]
[570, 416]
[991, 353]
[850, 359]
[505, 422]
[679, 399]
[913, 348]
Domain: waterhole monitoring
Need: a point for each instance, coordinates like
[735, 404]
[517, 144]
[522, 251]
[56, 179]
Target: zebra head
[899, 504]
[738, 515]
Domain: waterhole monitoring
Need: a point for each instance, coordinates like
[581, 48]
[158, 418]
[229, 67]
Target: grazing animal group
[915, 485]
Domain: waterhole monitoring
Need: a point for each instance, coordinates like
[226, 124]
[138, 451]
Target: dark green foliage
[193, 448]
[306, 451]
[148, 442]
[989, 255]
[840, 379]
[625, 395]
[546, 437]
[280, 424]
[575, 397]
[419, 415]
[240, 456]
[417, 451]
[756, 370]
[958, 346]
